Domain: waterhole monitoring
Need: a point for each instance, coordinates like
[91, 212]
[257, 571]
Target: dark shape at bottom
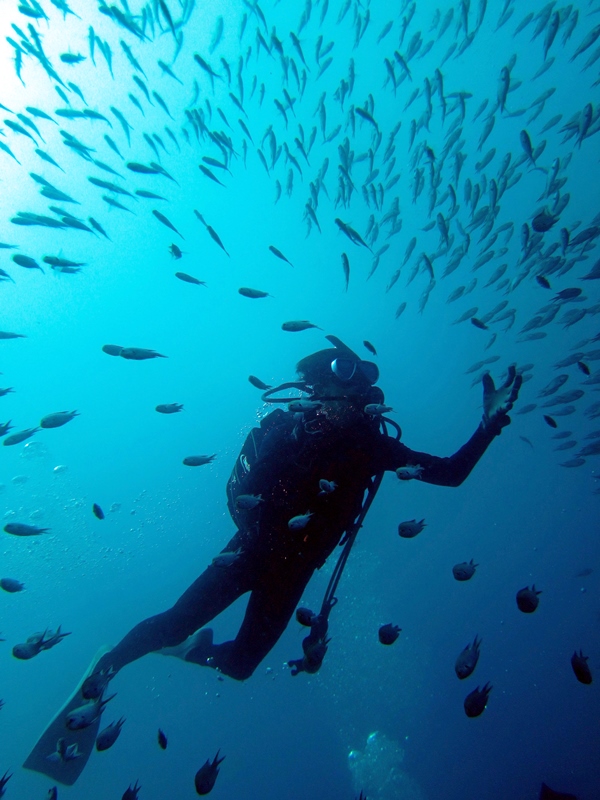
[546, 793]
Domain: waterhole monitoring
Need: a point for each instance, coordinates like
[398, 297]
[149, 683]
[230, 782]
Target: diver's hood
[323, 359]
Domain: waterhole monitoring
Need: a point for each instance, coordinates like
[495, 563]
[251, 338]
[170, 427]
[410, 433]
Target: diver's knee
[239, 672]
[224, 659]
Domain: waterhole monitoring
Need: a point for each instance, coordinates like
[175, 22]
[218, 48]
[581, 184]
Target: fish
[72, 58]
[248, 501]
[183, 276]
[11, 585]
[162, 104]
[97, 511]
[7, 149]
[23, 529]
[14, 126]
[10, 335]
[464, 571]
[212, 233]
[217, 35]
[326, 487]
[213, 162]
[17, 438]
[410, 528]
[5, 778]
[206, 776]
[96, 225]
[38, 642]
[279, 255]
[142, 169]
[554, 385]
[543, 221]
[376, 409]
[26, 261]
[389, 633]
[476, 701]
[131, 793]
[346, 269]
[124, 124]
[467, 660]
[62, 755]
[211, 175]
[354, 237]
[138, 353]
[59, 418]
[85, 715]
[136, 103]
[254, 294]
[205, 66]
[581, 668]
[149, 195]
[587, 42]
[112, 145]
[198, 461]
[112, 349]
[109, 735]
[300, 521]
[106, 167]
[142, 87]
[94, 685]
[162, 739]
[528, 600]
[131, 58]
[295, 326]
[169, 408]
[161, 218]
[111, 202]
[592, 449]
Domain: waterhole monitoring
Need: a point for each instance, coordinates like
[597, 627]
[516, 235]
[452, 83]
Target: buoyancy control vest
[249, 454]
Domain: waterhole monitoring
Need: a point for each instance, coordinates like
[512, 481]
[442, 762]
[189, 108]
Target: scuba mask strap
[266, 396]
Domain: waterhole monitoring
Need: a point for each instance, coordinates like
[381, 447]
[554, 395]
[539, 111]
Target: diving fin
[61, 753]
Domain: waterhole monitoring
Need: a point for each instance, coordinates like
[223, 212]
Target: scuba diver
[300, 487]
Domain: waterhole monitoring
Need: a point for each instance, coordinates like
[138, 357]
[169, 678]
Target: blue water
[522, 516]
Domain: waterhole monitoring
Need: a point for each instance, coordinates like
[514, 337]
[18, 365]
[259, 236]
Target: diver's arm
[450, 471]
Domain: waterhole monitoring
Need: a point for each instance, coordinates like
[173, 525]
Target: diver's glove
[498, 402]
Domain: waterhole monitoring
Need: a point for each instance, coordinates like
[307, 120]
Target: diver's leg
[273, 600]
[209, 595]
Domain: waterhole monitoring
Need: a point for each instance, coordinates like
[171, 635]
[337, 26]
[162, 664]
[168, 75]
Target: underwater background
[385, 720]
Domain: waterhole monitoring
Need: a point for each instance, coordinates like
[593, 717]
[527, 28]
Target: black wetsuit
[275, 563]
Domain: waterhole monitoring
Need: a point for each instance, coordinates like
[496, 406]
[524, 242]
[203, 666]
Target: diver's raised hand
[498, 402]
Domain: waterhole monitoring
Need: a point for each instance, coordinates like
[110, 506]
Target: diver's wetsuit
[276, 563]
